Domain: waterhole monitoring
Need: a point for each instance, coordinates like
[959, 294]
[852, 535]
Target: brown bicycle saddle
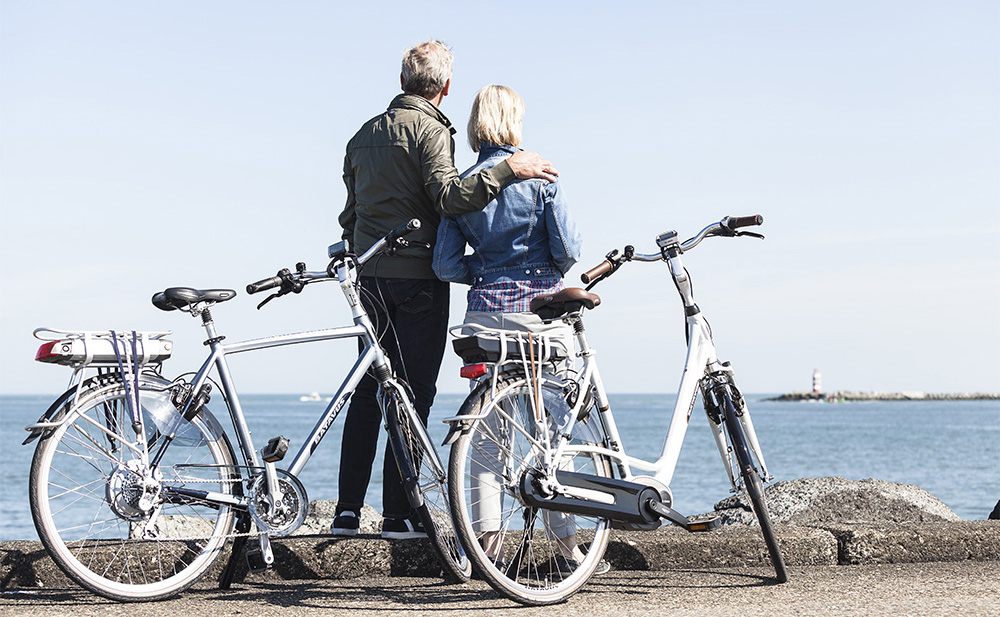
[555, 305]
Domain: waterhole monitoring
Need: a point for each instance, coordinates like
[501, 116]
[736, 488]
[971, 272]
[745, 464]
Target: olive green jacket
[401, 165]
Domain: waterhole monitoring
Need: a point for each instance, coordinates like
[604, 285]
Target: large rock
[320, 515]
[819, 502]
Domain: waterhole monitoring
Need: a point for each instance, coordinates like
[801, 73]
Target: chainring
[287, 514]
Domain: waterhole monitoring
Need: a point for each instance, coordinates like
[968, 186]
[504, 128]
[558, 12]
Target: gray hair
[426, 68]
[497, 114]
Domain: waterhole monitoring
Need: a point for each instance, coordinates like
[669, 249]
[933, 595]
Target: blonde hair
[426, 68]
[497, 114]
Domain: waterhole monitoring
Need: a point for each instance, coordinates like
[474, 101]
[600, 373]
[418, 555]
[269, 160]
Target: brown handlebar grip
[736, 222]
[601, 269]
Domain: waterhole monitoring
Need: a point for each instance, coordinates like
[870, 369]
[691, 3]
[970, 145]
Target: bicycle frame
[701, 363]
[371, 355]
[700, 357]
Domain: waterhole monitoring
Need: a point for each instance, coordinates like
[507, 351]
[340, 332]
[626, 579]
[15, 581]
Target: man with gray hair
[399, 166]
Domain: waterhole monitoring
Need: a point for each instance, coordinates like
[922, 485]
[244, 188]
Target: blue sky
[146, 145]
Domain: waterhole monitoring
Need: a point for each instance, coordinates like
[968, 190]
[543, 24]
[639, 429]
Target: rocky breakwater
[819, 522]
[840, 396]
[873, 521]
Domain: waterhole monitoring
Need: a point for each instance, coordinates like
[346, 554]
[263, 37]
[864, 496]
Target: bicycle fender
[55, 415]
[52, 414]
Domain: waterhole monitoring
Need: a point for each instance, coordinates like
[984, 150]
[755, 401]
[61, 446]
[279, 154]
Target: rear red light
[45, 352]
[472, 371]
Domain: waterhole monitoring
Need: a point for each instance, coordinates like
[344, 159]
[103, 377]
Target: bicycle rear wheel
[426, 483]
[520, 550]
[754, 486]
[108, 521]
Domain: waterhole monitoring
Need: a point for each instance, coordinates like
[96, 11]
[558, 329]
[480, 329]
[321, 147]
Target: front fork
[716, 387]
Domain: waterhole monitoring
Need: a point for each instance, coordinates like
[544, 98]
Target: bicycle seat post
[201, 309]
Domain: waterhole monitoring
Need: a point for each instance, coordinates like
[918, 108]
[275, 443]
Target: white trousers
[491, 447]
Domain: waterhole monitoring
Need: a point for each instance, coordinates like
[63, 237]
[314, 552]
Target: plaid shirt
[510, 296]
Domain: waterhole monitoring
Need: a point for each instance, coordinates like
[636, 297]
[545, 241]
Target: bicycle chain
[183, 481]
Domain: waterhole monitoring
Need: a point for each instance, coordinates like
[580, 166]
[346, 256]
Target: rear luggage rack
[487, 347]
[79, 348]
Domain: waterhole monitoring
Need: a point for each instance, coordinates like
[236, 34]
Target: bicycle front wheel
[754, 487]
[109, 520]
[426, 484]
[532, 556]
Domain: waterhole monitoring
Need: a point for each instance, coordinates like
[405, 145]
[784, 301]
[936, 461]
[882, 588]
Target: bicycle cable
[390, 326]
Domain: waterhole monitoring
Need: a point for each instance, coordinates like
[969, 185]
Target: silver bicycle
[538, 474]
[135, 487]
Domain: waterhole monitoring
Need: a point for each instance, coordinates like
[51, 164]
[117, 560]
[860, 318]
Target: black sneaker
[346, 523]
[402, 529]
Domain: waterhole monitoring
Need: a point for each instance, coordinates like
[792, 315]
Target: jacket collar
[419, 103]
[488, 150]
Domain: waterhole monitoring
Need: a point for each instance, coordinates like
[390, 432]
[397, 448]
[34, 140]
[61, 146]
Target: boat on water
[314, 396]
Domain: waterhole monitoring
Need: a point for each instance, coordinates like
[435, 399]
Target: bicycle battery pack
[487, 347]
[86, 348]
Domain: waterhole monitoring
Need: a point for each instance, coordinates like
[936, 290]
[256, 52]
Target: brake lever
[750, 233]
[268, 299]
[289, 284]
[402, 243]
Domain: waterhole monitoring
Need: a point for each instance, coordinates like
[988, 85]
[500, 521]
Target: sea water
[949, 448]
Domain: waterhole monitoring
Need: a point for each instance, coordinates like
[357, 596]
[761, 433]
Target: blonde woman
[523, 242]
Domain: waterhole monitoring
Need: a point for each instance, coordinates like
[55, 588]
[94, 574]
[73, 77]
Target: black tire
[486, 454]
[85, 491]
[754, 487]
[426, 483]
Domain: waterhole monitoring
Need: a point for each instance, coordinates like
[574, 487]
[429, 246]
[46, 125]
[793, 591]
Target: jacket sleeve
[348, 217]
[449, 253]
[565, 240]
[451, 194]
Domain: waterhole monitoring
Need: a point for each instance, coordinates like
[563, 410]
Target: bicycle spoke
[107, 520]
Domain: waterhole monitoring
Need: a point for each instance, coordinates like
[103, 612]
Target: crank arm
[675, 517]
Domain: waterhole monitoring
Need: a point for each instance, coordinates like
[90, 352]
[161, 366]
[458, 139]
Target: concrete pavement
[964, 588]
[321, 557]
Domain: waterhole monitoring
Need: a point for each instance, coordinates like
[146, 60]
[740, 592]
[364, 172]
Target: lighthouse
[817, 381]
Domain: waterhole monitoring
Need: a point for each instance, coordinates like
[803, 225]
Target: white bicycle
[135, 487]
[538, 473]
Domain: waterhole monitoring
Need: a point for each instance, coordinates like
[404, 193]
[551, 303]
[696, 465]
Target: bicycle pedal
[275, 449]
[255, 560]
[704, 522]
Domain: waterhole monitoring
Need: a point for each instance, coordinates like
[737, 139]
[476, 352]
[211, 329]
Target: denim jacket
[526, 233]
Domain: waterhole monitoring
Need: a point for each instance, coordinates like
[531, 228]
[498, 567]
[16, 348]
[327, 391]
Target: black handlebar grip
[264, 285]
[402, 230]
[735, 222]
[601, 269]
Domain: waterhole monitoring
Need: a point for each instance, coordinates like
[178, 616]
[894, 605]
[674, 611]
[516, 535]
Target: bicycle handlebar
[726, 227]
[735, 222]
[596, 272]
[402, 230]
[265, 284]
[294, 282]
